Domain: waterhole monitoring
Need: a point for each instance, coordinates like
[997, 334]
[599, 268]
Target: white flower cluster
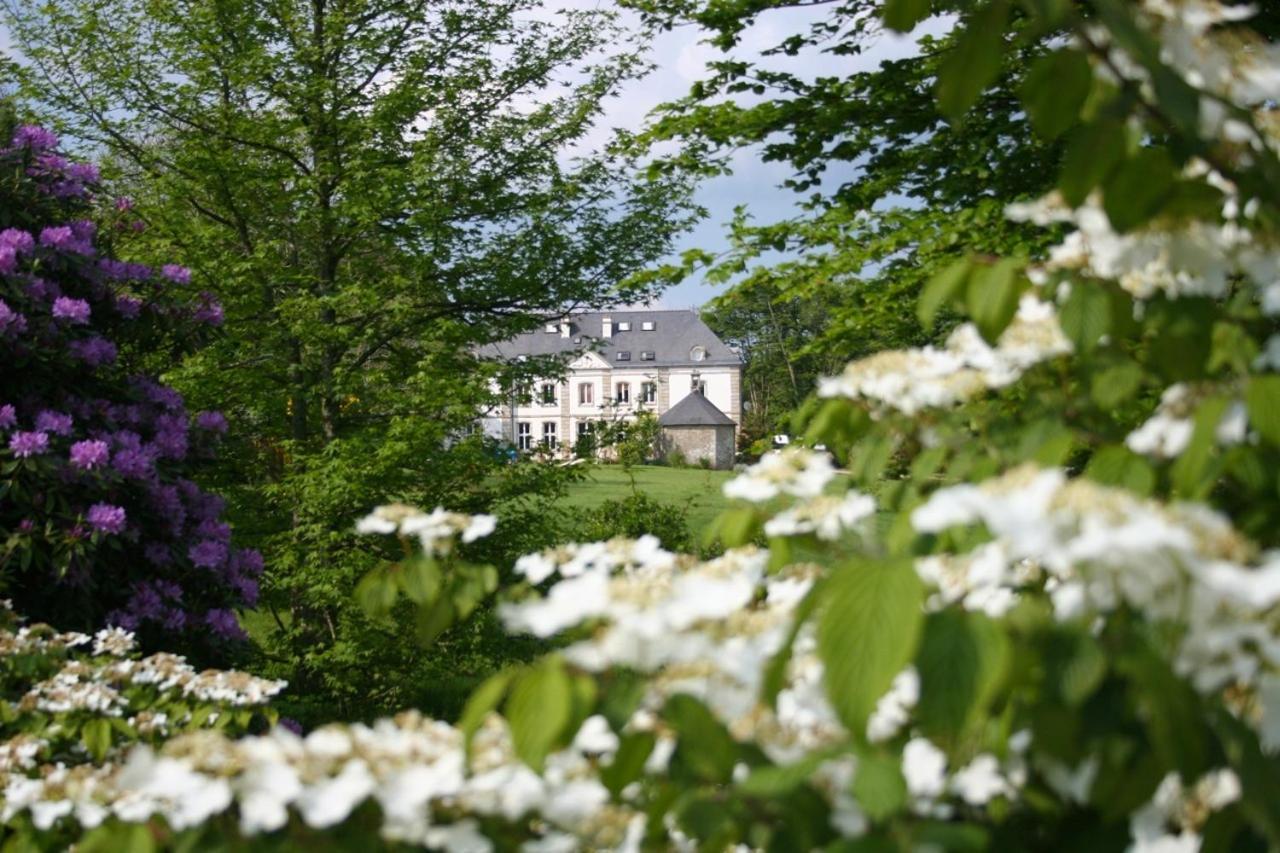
[982, 780]
[795, 471]
[826, 516]
[912, 380]
[1168, 432]
[437, 530]
[1101, 547]
[416, 769]
[1172, 820]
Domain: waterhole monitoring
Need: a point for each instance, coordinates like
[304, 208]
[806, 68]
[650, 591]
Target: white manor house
[627, 362]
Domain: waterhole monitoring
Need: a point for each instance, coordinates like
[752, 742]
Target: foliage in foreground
[1048, 619]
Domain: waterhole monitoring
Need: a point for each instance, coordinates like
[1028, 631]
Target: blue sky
[681, 56]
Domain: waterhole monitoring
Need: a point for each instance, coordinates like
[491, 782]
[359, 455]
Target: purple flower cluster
[106, 518]
[108, 454]
[90, 455]
[27, 444]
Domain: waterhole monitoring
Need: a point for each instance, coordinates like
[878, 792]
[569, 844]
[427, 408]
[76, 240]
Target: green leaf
[1170, 711]
[1086, 315]
[975, 60]
[962, 660]
[705, 747]
[1262, 399]
[1137, 190]
[1092, 152]
[420, 578]
[878, 785]
[734, 527]
[376, 592]
[1117, 465]
[775, 780]
[867, 632]
[1259, 775]
[538, 710]
[628, 762]
[1191, 473]
[1116, 384]
[903, 15]
[945, 286]
[1055, 90]
[96, 737]
[482, 700]
[992, 296]
[434, 620]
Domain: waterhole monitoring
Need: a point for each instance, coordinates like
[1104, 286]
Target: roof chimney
[564, 328]
[607, 324]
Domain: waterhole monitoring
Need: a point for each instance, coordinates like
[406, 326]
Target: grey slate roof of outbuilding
[674, 334]
[694, 410]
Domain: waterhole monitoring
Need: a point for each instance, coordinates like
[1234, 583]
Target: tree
[373, 188]
[892, 188]
[774, 333]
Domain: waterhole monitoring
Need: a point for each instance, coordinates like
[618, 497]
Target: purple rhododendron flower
[58, 423]
[158, 554]
[124, 203]
[209, 554]
[211, 528]
[11, 320]
[75, 311]
[34, 137]
[175, 619]
[89, 455]
[8, 416]
[248, 589]
[128, 307]
[290, 724]
[224, 623]
[57, 236]
[249, 560]
[209, 311]
[136, 464]
[17, 239]
[83, 173]
[24, 444]
[8, 259]
[212, 421]
[94, 352]
[176, 274]
[106, 518]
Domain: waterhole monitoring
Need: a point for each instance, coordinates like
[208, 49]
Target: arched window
[698, 353]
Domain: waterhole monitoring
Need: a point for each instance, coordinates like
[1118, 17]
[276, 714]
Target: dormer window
[551, 328]
[646, 326]
[646, 355]
[624, 325]
[698, 353]
[622, 355]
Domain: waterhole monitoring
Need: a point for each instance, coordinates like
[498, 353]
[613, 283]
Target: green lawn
[697, 487]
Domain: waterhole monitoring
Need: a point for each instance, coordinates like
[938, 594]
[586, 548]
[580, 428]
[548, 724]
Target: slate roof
[695, 410]
[673, 335]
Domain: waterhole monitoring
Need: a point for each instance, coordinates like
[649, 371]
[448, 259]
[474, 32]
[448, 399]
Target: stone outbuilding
[699, 430]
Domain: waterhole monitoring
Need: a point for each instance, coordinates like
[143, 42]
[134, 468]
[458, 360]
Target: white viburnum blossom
[1167, 433]
[894, 708]
[795, 471]
[1101, 547]
[912, 380]
[437, 530]
[826, 516]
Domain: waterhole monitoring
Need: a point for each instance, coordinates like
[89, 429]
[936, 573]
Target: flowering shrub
[1037, 610]
[101, 523]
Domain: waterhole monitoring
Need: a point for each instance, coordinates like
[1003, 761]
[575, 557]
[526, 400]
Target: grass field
[696, 487]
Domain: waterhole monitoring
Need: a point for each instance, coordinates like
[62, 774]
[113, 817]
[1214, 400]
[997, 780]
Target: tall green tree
[372, 188]
[773, 332]
[891, 189]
